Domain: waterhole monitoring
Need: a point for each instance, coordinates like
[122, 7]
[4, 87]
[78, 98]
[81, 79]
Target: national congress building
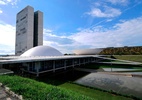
[32, 56]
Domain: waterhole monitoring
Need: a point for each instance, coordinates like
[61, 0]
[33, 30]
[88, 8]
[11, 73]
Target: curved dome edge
[42, 51]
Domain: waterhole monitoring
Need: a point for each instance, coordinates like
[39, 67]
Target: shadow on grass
[62, 77]
[70, 75]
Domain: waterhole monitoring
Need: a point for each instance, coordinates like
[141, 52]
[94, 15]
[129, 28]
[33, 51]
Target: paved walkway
[5, 96]
[5, 71]
[119, 83]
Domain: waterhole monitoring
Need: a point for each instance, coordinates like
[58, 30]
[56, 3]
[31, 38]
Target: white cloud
[124, 33]
[1, 11]
[105, 8]
[2, 2]
[5, 49]
[7, 38]
[108, 12]
[120, 2]
[109, 20]
[7, 34]
[6, 2]
[62, 43]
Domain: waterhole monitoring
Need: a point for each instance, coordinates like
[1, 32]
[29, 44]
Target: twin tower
[29, 30]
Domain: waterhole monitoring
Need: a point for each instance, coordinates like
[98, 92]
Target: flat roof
[16, 59]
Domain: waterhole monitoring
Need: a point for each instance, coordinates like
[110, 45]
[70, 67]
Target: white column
[54, 66]
[79, 61]
[73, 62]
[28, 68]
[0, 66]
[65, 64]
[37, 66]
[95, 59]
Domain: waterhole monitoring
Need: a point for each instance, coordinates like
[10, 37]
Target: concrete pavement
[119, 83]
[6, 96]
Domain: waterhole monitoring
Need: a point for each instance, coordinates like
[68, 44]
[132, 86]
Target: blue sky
[77, 24]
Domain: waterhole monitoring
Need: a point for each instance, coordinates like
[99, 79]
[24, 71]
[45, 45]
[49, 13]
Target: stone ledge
[8, 91]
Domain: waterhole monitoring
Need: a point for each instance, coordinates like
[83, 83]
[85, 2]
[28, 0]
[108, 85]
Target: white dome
[42, 51]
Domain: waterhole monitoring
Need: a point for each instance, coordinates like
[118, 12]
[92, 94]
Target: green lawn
[34, 90]
[137, 58]
[99, 95]
[98, 66]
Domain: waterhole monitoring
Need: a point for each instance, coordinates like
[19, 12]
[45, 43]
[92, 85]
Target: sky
[77, 24]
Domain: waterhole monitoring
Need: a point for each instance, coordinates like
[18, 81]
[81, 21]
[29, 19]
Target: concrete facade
[29, 30]
[38, 28]
[42, 64]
